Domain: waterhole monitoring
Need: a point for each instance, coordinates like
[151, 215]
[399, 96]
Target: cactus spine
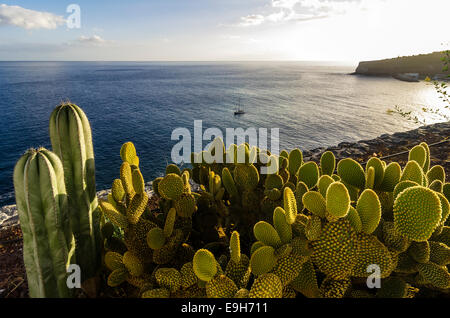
[48, 243]
[71, 139]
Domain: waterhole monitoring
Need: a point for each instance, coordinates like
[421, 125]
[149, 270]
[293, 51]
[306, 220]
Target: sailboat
[239, 111]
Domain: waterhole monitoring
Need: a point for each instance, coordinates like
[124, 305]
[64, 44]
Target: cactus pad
[417, 212]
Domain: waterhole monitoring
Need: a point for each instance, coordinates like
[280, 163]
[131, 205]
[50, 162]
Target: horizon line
[188, 61]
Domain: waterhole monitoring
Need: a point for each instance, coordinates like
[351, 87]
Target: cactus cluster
[300, 229]
[304, 230]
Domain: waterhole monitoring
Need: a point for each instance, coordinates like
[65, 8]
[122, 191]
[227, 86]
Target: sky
[221, 30]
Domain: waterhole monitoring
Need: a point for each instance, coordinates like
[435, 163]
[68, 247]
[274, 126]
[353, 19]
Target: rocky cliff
[424, 65]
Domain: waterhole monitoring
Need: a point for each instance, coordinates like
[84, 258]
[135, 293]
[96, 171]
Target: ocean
[312, 104]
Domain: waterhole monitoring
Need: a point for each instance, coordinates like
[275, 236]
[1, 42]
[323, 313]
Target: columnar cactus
[48, 242]
[70, 134]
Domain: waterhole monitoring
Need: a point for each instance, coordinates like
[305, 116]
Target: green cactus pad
[156, 293]
[167, 253]
[295, 161]
[378, 167]
[309, 174]
[156, 238]
[171, 187]
[168, 278]
[439, 253]
[436, 173]
[188, 277]
[336, 177]
[128, 154]
[205, 265]
[372, 252]
[369, 210]
[117, 218]
[436, 185]
[426, 165]
[306, 281]
[446, 191]
[221, 287]
[155, 184]
[228, 183]
[354, 219]
[136, 238]
[420, 251]
[117, 190]
[392, 175]
[417, 212]
[246, 177]
[335, 252]
[313, 228]
[185, 205]
[327, 163]
[332, 288]
[288, 268]
[392, 239]
[235, 247]
[267, 286]
[273, 194]
[352, 191]
[337, 200]
[419, 154]
[137, 207]
[401, 186]
[173, 169]
[170, 222]
[315, 203]
[406, 264]
[127, 179]
[352, 173]
[263, 260]
[435, 274]
[393, 287]
[324, 183]
[133, 264]
[370, 178]
[445, 205]
[266, 233]
[444, 236]
[290, 205]
[138, 181]
[300, 190]
[114, 261]
[281, 225]
[273, 181]
[117, 277]
[413, 172]
[242, 293]
[239, 272]
[255, 246]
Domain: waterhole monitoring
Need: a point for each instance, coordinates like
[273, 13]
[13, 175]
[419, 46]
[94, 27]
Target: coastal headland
[414, 67]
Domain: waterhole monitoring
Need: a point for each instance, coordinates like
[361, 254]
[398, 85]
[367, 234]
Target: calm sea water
[313, 105]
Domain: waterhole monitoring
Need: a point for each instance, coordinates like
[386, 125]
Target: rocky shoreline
[385, 147]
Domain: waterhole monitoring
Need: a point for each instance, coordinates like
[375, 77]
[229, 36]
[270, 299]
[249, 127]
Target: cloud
[302, 10]
[252, 20]
[94, 40]
[288, 4]
[29, 19]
